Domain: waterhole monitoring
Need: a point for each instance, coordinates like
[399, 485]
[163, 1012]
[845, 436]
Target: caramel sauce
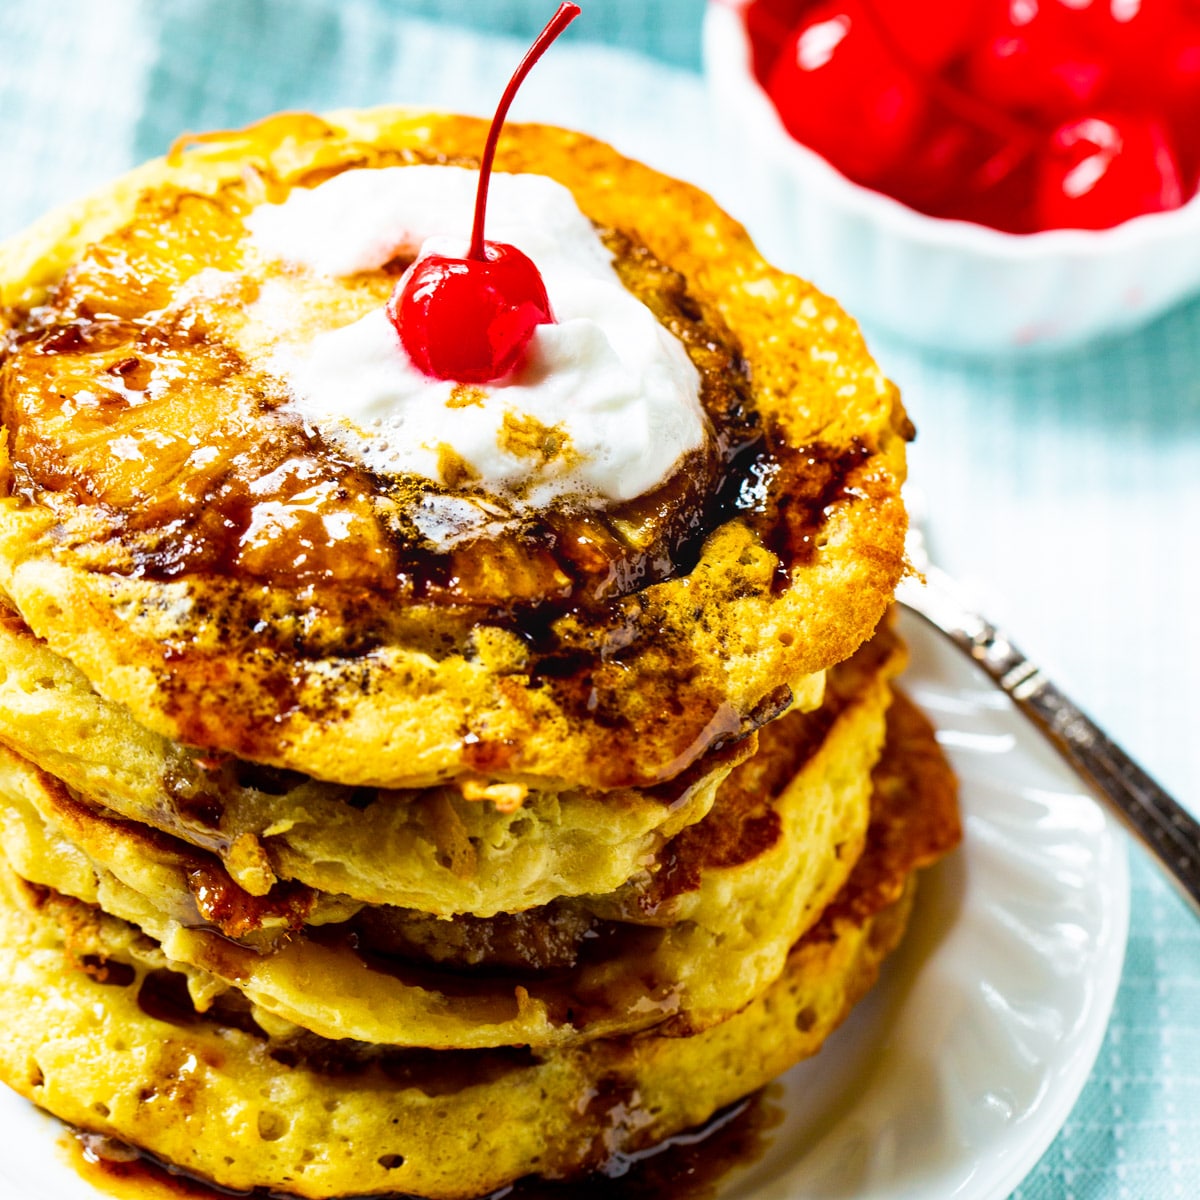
[578, 995]
[787, 493]
[231, 909]
[165, 455]
[115, 1170]
[688, 1166]
[120, 401]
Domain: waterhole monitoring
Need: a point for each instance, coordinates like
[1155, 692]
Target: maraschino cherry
[1035, 60]
[1019, 114]
[470, 319]
[1104, 169]
[839, 91]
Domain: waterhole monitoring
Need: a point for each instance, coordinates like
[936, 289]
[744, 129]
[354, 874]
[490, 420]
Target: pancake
[681, 947]
[218, 1097]
[601, 649]
[376, 827]
[503, 851]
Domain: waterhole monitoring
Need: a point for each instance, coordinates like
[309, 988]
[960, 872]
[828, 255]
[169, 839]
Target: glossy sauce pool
[689, 1166]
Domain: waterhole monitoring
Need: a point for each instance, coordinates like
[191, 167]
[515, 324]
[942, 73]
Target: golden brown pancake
[341, 862]
[98, 1035]
[685, 944]
[642, 637]
[514, 850]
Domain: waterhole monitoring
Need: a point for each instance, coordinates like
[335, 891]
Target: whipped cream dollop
[603, 406]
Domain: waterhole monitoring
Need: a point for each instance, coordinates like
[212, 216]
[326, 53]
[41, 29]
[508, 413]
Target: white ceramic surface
[947, 284]
[954, 1075]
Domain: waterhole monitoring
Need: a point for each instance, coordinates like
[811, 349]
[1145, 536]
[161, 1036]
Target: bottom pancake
[97, 1033]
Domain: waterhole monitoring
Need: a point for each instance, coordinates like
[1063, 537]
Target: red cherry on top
[1105, 169]
[470, 319]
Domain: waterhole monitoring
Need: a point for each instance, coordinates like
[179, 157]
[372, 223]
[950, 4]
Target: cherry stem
[557, 23]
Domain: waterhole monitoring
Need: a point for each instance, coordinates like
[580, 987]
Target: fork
[1157, 820]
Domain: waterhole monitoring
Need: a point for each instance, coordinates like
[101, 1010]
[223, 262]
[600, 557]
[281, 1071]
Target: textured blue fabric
[1066, 490]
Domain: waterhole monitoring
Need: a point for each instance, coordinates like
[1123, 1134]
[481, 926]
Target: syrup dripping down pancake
[688, 940]
[667, 632]
[219, 1097]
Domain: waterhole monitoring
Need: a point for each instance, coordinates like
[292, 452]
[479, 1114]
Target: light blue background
[1065, 491]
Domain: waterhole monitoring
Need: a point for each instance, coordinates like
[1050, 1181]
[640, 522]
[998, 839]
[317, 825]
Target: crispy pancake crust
[668, 671]
[459, 855]
[214, 1102]
[239, 1109]
[709, 933]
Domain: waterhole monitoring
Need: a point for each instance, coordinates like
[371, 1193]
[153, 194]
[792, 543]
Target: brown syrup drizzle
[107, 354]
[572, 588]
[171, 514]
[231, 909]
[688, 1166]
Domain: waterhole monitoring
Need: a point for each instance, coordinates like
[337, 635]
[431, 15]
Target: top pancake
[686, 619]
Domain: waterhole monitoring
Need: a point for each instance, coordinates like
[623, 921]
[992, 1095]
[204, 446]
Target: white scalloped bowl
[947, 284]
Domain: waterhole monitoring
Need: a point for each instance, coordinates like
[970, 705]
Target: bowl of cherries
[976, 175]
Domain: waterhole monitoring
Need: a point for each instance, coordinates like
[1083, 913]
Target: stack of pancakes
[337, 863]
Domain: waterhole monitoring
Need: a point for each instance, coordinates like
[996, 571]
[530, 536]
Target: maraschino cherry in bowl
[981, 176]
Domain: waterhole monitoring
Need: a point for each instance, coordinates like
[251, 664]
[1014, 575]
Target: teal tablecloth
[1066, 491]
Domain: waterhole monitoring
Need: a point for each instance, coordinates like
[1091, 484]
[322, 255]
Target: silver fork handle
[1158, 821]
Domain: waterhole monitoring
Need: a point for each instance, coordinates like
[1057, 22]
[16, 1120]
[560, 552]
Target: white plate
[954, 1075]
